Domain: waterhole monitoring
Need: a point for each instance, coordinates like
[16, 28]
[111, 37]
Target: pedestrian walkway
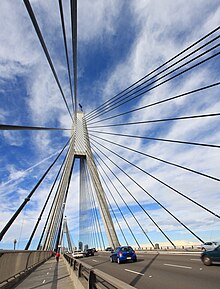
[50, 275]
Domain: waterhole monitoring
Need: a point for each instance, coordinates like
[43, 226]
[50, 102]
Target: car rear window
[126, 249]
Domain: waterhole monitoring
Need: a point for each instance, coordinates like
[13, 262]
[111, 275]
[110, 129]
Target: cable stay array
[134, 92]
[98, 240]
[91, 125]
[156, 158]
[159, 139]
[120, 195]
[27, 199]
[119, 130]
[90, 114]
[146, 192]
[89, 214]
[160, 120]
[145, 172]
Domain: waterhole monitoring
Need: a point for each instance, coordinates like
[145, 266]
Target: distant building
[80, 246]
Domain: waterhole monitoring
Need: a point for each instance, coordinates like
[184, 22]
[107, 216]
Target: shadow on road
[55, 276]
[136, 279]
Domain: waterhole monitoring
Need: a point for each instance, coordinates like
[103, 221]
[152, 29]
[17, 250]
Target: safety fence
[14, 264]
[86, 276]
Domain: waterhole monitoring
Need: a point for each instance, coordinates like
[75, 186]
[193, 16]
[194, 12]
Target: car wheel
[118, 261]
[111, 259]
[206, 261]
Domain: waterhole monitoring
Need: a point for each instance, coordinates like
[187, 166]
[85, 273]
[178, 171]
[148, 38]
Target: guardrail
[86, 276]
[13, 264]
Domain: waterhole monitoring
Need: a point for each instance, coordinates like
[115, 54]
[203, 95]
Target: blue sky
[118, 43]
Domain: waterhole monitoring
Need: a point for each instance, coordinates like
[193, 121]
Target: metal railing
[92, 278]
[15, 263]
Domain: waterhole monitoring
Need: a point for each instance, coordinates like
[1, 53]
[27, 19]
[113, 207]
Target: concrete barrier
[13, 264]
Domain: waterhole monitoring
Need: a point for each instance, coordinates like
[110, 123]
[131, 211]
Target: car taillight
[120, 254]
[134, 252]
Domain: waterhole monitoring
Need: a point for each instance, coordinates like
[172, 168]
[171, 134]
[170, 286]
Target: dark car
[109, 249]
[88, 252]
[122, 254]
[208, 257]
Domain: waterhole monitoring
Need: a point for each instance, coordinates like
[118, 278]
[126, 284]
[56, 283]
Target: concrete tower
[79, 148]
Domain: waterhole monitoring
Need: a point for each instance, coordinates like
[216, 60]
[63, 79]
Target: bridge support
[79, 148]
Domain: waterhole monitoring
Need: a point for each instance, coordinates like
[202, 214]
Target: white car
[209, 246]
[77, 254]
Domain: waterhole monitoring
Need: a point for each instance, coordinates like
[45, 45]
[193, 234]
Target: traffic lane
[161, 271]
[180, 272]
[185, 260]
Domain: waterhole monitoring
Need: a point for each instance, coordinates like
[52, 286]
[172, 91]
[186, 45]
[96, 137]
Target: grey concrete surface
[50, 275]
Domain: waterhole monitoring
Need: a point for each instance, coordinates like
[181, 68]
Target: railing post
[79, 270]
[91, 280]
[74, 265]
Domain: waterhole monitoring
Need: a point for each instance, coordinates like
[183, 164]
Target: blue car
[122, 254]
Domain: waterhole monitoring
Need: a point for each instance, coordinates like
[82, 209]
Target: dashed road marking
[178, 266]
[195, 260]
[44, 281]
[95, 261]
[134, 272]
[47, 273]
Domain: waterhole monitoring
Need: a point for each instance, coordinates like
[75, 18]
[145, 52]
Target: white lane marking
[44, 281]
[195, 260]
[178, 266]
[47, 273]
[95, 261]
[134, 272]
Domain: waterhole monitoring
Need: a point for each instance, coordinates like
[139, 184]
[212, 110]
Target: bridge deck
[50, 275]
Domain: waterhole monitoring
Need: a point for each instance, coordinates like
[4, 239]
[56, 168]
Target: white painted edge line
[44, 281]
[134, 272]
[196, 260]
[168, 253]
[178, 266]
[95, 261]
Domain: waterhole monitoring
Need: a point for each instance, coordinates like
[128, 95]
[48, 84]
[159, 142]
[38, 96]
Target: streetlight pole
[15, 241]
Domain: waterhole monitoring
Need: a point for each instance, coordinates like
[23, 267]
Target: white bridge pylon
[79, 148]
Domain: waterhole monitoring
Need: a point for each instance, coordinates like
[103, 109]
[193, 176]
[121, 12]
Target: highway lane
[157, 271]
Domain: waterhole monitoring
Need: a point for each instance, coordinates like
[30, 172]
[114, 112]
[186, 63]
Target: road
[161, 271]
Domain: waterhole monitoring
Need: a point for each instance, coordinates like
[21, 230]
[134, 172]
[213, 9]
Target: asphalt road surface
[161, 271]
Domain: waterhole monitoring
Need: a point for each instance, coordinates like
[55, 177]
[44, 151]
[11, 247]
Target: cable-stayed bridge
[147, 159]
